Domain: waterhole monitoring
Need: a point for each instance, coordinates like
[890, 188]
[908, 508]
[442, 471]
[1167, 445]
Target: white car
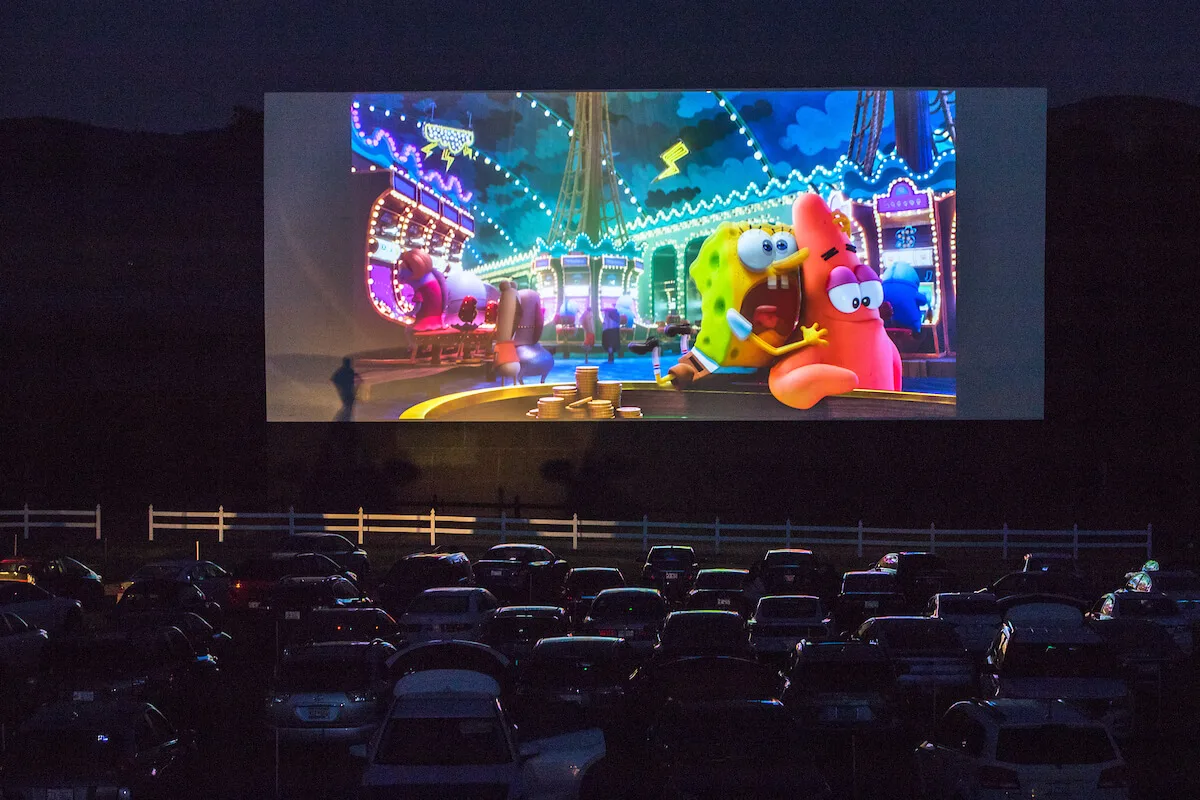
[1020, 748]
[41, 609]
[781, 621]
[975, 616]
[447, 735]
[447, 613]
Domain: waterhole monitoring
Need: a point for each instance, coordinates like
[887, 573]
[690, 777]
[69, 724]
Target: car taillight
[239, 585]
[998, 778]
[1114, 778]
[606, 632]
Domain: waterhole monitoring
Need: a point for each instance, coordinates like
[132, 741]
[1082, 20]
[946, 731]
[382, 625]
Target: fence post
[1149, 539]
[1004, 546]
[502, 520]
[97, 522]
[575, 531]
[645, 533]
[26, 525]
[150, 522]
[787, 533]
[860, 538]
[932, 539]
[291, 520]
[432, 527]
[360, 526]
[197, 548]
[717, 536]
[1075, 540]
[220, 524]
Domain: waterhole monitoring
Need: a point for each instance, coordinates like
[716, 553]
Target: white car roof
[442, 682]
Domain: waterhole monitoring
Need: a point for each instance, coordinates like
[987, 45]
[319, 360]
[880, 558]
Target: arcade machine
[907, 233]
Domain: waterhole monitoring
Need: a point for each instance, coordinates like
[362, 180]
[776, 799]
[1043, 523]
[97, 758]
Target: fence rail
[358, 525]
[27, 519]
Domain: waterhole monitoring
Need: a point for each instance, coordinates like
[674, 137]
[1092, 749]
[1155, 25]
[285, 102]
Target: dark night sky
[168, 67]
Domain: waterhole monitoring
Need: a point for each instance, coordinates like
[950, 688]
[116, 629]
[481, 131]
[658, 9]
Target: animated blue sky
[792, 130]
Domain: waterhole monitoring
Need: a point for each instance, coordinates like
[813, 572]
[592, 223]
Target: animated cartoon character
[749, 283]
[843, 295]
[416, 270]
[902, 288]
[519, 324]
[505, 352]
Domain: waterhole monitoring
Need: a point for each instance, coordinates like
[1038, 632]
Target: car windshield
[703, 628]
[869, 583]
[763, 734]
[522, 629]
[844, 676]
[583, 582]
[323, 675]
[778, 559]
[438, 603]
[1133, 606]
[671, 555]
[720, 580]
[455, 742]
[968, 605]
[931, 635]
[789, 608]
[628, 606]
[1048, 660]
[523, 554]
[62, 752]
[1054, 744]
[150, 571]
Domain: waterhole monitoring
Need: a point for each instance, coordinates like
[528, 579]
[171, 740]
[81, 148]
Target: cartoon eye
[846, 297]
[872, 293]
[755, 249]
[785, 245]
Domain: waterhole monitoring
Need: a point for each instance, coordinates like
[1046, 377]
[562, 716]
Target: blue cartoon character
[902, 289]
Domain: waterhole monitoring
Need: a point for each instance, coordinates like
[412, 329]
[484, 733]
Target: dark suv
[920, 575]
[671, 569]
[415, 573]
[338, 548]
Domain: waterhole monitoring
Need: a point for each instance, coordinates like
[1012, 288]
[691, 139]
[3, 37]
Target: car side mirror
[358, 751]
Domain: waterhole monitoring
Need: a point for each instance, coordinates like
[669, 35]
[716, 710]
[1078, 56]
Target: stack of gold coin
[576, 413]
[610, 391]
[585, 380]
[550, 407]
[600, 409]
[568, 393]
[629, 412]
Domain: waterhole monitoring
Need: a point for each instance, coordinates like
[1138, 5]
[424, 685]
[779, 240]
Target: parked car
[333, 546]
[417, 572]
[1151, 606]
[872, 593]
[104, 748]
[1064, 584]
[920, 576]
[1037, 748]
[294, 596]
[781, 621]
[452, 654]
[60, 575]
[631, 613]
[38, 607]
[717, 600]
[975, 616]
[842, 686]
[1182, 586]
[521, 573]
[928, 656]
[159, 601]
[210, 578]
[703, 633]
[751, 748]
[671, 569]
[345, 624]
[330, 692]
[591, 672]
[254, 580]
[721, 578]
[514, 630]
[1051, 562]
[583, 584]
[698, 679]
[1044, 651]
[451, 613]
[448, 735]
[791, 571]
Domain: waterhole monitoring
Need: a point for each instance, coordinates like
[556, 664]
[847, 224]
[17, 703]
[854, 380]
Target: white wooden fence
[27, 519]
[360, 524]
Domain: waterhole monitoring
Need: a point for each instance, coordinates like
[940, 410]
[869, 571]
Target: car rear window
[671, 554]
[790, 607]
[523, 554]
[593, 582]
[523, 629]
[628, 606]
[790, 560]
[456, 742]
[927, 635]
[843, 676]
[706, 628]
[968, 605]
[869, 582]
[1054, 744]
[720, 580]
[440, 604]
[323, 675]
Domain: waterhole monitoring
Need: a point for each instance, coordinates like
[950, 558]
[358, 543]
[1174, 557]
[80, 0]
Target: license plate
[571, 698]
[671, 576]
[789, 578]
[83, 697]
[318, 712]
[497, 573]
[253, 604]
[291, 615]
[724, 601]
[60, 794]
[871, 604]
[626, 633]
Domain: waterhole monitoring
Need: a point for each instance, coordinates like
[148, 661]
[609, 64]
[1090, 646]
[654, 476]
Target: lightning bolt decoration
[453, 141]
[669, 156]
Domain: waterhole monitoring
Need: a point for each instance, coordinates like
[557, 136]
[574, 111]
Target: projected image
[700, 255]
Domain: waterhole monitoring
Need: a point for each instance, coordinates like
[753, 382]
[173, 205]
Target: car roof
[853, 651]
[595, 569]
[332, 651]
[629, 590]
[455, 590]
[67, 715]
[789, 597]
[530, 611]
[792, 550]
[704, 613]
[307, 580]
[158, 583]
[443, 682]
[879, 571]
[663, 548]
[433, 556]
[522, 545]
[1060, 556]
[174, 562]
[725, 570]
[575, 646]
[340, 611]
[1010, 711]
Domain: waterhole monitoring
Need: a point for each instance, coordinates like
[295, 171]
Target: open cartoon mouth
[774, 304]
